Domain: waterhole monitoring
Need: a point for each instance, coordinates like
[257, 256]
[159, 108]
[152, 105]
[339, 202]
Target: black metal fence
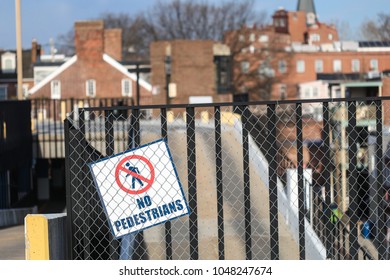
[263, 180]
[48, 117]
[15, 153]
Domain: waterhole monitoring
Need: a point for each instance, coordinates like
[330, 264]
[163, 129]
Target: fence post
[353, 192]
[218, 172]
[301, 192]
[168, 225]
[192, 192]
[327, 174]
[381, 222]
[273, 182]
[247, 202]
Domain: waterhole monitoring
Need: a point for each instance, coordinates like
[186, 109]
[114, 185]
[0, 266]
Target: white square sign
[139, 188]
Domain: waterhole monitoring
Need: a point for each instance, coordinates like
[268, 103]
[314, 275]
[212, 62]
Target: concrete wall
[46, 237]
[11, 217]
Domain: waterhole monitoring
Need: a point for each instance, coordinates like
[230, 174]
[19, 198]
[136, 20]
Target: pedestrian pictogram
[139, 169]
[139, 188]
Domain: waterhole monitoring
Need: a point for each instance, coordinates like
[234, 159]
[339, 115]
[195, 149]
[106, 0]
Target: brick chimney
[113, 43]
[89, 40]
[35, 51]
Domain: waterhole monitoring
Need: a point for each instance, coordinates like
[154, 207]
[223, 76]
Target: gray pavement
[12, 243]
[12, 246]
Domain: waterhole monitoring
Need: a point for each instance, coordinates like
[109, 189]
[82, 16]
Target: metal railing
[227, 158]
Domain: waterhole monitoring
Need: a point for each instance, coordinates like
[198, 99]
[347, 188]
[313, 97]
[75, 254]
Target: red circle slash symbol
[133, 171]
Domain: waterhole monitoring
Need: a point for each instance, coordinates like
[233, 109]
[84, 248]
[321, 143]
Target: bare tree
[65, 43]
[198, 20]
[135, 40]
[343, 28]
[260, 60]
[176, 19]
[377, 30]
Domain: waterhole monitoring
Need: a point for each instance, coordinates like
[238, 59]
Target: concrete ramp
[234, 223]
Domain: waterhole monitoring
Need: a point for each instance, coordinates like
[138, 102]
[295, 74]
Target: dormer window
[310, 18]
[8, 62]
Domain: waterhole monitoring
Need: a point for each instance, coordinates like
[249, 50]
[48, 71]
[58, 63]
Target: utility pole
[19, 67]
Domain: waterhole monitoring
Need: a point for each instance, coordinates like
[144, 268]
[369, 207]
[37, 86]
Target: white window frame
[374, 64]
[337, 66]
[355, 65]
[300, 66]
[307, 93]
[55, 89]
[8, 56]
[127, 88]
[315, 92]
[5, 87]
[263, 38]
[90, 88]
[319, 66]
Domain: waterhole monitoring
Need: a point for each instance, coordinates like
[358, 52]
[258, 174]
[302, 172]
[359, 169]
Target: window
[241, 38]
[3, 93]
[127, 89]
[282, 66]
[310, 18]
[8, 62]
[301, 66]
[244, 66]
[223, 73]
[374, 65]
[315, 37]
[91, 88]
[252, 37]
[55, 89]
[307, 93]
[263, 38]
[355, 65]
[330, 36]
[337, 65]
[315, 92]
[319, 66]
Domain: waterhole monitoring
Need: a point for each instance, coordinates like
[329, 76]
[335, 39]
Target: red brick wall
[113, 43]
[89, 39]
[108, 82]
[386, 104]
[324, 30]
[297, 25]
[193, 70]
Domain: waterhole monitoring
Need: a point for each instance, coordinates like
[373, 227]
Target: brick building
[95, 71]
[8, 71]
[189, 72]
[294, 49]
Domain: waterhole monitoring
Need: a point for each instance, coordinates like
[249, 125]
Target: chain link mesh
[325, 163]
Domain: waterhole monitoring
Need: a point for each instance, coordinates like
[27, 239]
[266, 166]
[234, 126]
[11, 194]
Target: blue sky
[45, 19]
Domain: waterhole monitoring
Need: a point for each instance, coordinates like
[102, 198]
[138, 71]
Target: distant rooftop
[307, 6]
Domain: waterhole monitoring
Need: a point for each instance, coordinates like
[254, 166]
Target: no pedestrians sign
[139, 188]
